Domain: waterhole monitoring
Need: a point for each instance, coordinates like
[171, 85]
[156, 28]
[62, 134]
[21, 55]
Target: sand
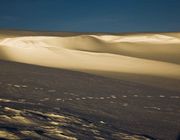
[147, 58]
[58, 104]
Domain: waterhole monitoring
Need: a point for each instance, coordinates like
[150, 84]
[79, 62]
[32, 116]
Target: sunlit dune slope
[146, 58]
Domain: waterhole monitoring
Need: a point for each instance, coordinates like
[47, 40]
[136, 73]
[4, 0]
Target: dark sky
[91, 15]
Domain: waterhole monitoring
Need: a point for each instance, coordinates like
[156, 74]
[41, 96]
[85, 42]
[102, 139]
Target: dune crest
[151, 55]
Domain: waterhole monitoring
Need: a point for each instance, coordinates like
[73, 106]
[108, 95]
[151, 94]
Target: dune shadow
[178, 136]
[168, 84]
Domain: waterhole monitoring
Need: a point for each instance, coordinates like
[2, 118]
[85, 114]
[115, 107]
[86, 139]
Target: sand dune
[146, 58]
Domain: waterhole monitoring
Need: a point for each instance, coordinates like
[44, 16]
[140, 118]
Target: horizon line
[88, 32]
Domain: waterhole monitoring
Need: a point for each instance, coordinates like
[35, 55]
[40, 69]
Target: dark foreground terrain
[44, 103]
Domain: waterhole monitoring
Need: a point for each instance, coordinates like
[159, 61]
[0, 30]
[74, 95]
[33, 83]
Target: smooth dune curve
[146, 55]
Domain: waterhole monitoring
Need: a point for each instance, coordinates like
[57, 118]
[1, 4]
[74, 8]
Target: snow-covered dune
[146, 58]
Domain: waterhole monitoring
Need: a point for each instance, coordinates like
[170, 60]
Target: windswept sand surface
[53, 104]
[136, 99]
[152, 59]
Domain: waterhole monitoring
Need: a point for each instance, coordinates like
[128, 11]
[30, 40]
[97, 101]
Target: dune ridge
[146, 55]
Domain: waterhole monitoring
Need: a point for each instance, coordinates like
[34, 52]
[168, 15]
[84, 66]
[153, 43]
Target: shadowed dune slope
[147, 58]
